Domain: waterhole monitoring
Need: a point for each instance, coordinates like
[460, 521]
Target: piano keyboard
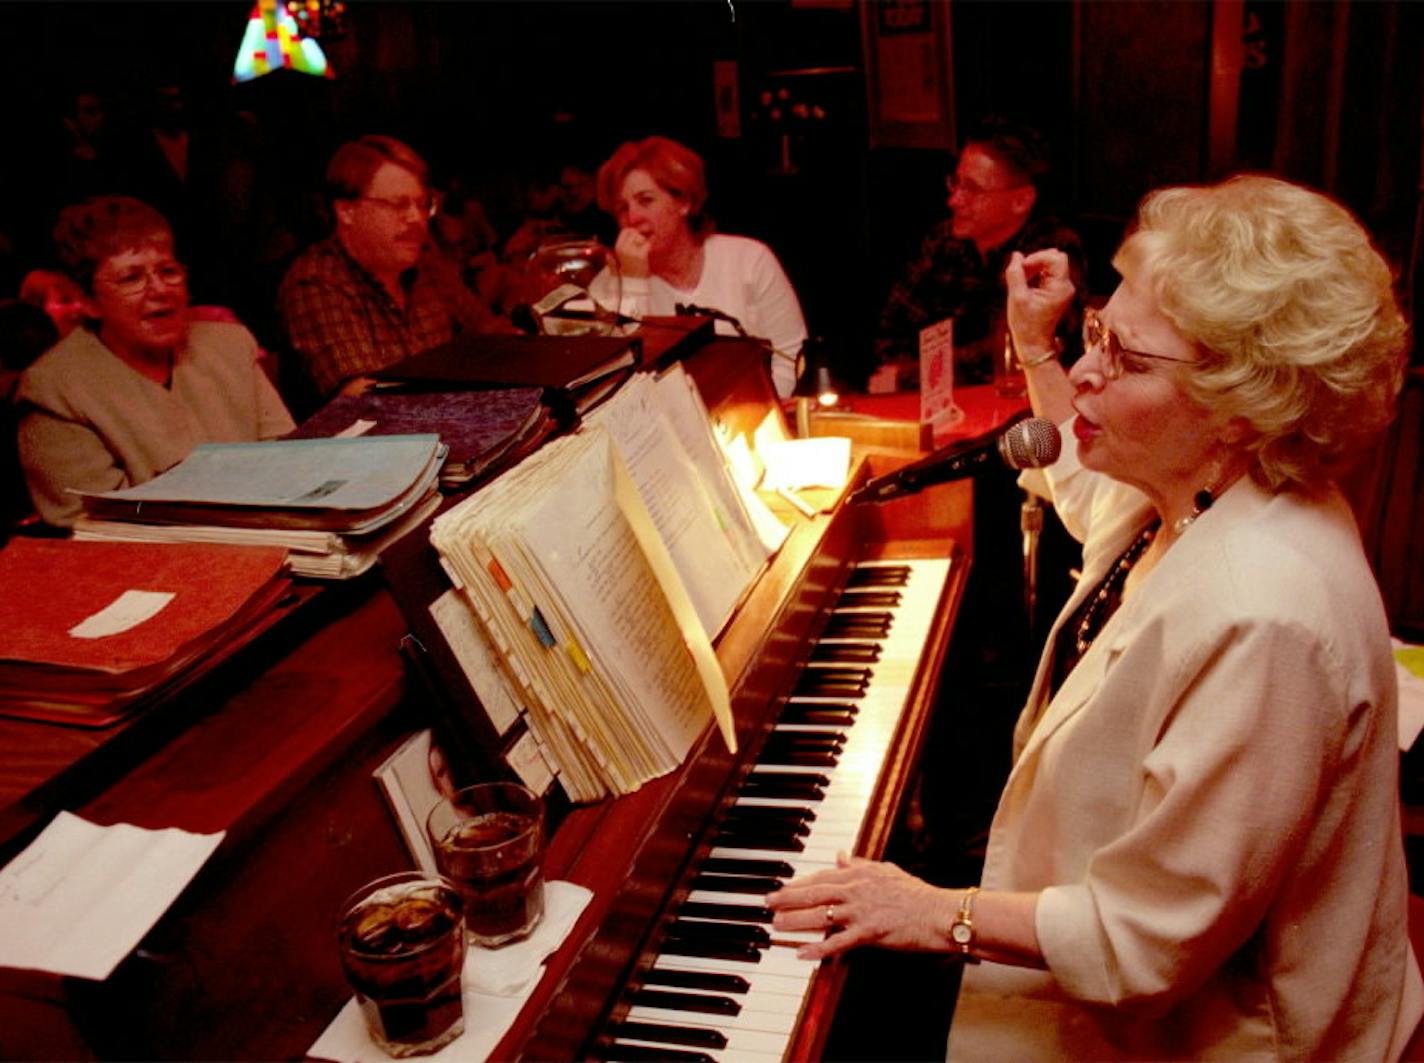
[724, 986]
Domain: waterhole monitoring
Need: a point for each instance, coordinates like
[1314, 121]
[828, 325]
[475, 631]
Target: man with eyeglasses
[373, 293]
[996, 208]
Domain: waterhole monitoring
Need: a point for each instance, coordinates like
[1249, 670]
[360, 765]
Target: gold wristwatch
[961, 931]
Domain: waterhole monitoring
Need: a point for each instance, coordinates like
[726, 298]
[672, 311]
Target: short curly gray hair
[103, 226]
[1293, 309]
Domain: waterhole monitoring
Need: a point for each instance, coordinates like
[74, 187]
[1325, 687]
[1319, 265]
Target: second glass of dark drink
[489, 841]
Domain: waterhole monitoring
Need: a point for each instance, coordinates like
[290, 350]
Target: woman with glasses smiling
[117, 402]
[1197, 854]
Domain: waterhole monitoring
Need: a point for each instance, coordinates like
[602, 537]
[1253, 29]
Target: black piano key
[736, 865]
[759, 777]
[879, 576]
[697, 1037]
[811, 712]
[868, 599]
[711, 950]
[758, 814]
[846, 652]
[857, 626]
[699, 1002]
[612, 1053]
[744, 913]
[805, 758]
[833, 683]
[795, 741]
[789, 826]
[712, 981]
[839, 673]
[772, 843]
[732, 933]
[786, 791]
[755, 884]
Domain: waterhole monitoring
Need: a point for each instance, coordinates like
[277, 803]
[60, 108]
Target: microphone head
[1031, 444]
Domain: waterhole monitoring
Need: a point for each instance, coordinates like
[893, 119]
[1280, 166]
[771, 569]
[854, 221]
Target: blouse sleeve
[776, 317]
[1246, 752]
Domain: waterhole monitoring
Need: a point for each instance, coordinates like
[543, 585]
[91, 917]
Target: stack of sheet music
[597, 572]
[91, 631]
[334, 504]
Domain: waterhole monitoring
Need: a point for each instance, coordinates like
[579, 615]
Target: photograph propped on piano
[1197, 853]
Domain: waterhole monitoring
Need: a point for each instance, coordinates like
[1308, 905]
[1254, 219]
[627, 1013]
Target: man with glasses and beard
[372, 293]
[996, 208]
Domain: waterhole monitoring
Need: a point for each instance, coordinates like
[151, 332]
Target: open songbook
[596, 573]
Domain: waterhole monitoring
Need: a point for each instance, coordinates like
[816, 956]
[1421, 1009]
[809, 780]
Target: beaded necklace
[1101, 606]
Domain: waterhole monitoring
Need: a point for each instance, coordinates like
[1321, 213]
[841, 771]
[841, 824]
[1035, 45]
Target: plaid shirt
[950, 278]
[343, 323]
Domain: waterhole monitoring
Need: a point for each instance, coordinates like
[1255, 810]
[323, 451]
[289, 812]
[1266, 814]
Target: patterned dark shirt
[343, 323]
[950, 278]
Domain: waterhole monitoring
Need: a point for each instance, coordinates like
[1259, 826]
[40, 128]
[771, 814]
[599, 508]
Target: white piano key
[778, 961]
[782, 1022]
[726, 1055]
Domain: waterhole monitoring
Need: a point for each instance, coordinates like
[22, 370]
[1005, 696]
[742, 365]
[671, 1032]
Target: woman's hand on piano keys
[867, 902]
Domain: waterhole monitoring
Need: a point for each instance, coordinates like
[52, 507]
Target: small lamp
[814, 384]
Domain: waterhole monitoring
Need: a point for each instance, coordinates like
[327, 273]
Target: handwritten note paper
[81, 896]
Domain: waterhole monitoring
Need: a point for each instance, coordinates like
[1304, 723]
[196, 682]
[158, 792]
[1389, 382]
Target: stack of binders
[333, 504]
[104, 628]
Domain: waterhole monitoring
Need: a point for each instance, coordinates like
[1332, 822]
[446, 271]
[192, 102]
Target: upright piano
[833, 660]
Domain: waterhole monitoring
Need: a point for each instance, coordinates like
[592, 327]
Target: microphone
[1025, 444]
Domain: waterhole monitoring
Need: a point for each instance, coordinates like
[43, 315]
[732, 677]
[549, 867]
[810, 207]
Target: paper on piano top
[796, 463]
[747, 471]
[497, 983]
[80, 897]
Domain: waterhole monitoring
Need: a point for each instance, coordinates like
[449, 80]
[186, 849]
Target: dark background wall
[1131, 95]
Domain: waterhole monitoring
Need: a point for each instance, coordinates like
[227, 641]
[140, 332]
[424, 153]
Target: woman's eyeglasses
[1096, 334]
[134, 281]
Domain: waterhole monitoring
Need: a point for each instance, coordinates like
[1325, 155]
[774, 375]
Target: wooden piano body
[277, 748]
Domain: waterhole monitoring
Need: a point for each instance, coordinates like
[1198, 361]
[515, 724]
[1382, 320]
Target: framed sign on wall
[909, 73]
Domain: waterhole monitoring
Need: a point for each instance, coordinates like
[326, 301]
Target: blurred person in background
[373, 293]
[668, 253]
[996, 207]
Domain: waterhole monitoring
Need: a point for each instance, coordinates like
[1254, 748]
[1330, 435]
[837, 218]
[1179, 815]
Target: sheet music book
[312, 554]
[480, 427]
[101, 625]
[354, 486]
[595, 575]
[559, 560]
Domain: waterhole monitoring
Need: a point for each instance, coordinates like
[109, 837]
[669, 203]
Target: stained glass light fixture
[274, 41]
